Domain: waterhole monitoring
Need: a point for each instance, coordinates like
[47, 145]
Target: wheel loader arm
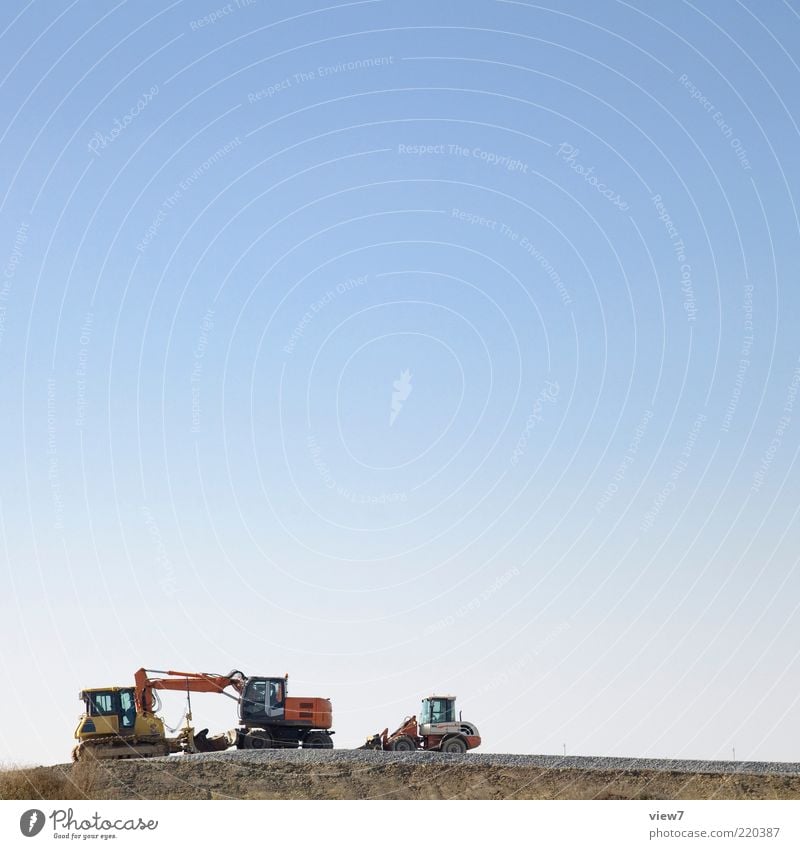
[408, 728]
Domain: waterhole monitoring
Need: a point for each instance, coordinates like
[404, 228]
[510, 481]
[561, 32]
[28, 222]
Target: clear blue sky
[405, 347]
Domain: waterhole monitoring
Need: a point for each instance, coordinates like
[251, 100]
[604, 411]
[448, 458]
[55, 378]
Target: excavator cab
[262, 699]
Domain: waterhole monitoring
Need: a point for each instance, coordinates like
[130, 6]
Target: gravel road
[475, 760]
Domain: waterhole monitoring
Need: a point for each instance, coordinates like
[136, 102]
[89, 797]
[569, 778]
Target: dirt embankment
[185, 778]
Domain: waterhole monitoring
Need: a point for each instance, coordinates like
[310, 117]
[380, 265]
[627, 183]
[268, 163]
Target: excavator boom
[194, 682]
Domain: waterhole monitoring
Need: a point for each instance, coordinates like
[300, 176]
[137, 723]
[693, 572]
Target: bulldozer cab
[436, 710]
[108, 711]
[262, 699]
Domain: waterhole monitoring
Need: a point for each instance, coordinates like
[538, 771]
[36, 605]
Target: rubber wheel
[404, 743]
[317, 740]
[455, 746]
[258, 740]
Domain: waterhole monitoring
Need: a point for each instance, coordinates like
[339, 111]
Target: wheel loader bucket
[373, 742]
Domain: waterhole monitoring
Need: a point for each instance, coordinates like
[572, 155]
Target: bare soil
[185, 778]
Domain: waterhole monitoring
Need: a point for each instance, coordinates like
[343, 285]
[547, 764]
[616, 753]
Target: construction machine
[123, 722]
[270, 719]
[437, 730]
[112, 727]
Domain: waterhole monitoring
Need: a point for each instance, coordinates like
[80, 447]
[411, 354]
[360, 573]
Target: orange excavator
[123, 722]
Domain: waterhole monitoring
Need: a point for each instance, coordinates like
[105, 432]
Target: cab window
[102, 704]
[254, 698]
[441, 710]
[127, 709]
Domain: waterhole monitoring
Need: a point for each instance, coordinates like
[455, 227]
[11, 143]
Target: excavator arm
[148, 680]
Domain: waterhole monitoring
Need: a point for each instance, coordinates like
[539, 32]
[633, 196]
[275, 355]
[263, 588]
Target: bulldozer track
[113, 750]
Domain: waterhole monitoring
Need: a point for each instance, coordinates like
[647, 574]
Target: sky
[407, 348]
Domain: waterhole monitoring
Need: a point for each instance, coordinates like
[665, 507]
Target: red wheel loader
[437, 730]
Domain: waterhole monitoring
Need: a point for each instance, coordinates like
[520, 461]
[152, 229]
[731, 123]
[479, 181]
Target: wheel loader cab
[437, 709]
[107, 711]
[437, 717]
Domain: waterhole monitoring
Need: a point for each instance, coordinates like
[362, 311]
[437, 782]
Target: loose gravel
[475, 760]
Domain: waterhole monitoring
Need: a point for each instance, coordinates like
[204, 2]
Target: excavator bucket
[217, 743]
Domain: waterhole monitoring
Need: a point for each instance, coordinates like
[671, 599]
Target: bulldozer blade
[373, 742]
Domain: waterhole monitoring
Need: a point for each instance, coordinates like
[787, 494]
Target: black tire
[317, 740]
[454, 746]
[257, 740]
[403, 743]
